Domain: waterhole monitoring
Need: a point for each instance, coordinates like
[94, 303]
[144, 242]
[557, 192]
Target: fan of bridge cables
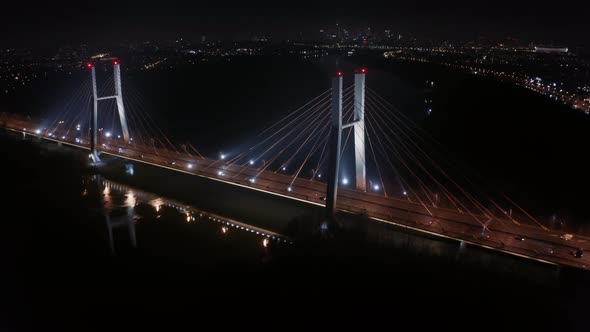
[402, 160]
[74, 119]
[425, 172]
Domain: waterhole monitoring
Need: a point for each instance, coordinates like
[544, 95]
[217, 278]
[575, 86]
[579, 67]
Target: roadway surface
[501, 234]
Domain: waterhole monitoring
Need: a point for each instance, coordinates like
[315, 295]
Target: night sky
[57, 22]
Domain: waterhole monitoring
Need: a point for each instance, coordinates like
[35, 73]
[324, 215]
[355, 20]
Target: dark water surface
[66, 275]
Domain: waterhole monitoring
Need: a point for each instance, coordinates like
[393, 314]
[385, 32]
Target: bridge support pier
[94, 119]
[118, 96]
[335, 142]
[358, 126]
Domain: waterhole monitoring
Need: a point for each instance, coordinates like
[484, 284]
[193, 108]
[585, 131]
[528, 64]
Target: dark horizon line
[194, 38]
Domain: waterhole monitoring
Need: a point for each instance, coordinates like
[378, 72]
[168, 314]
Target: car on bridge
[567, 237]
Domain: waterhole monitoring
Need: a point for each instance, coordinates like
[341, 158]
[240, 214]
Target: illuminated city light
[251, 162]
[284, 168]
[252, 180]
[190, 166]
[63, 137]
[345, 181]
[376, 187]
[405, 193]
[265, 243]
[289, 189]
[108, 134]
[38, 131]
[220, 173]
[224, 230]
[222, 156]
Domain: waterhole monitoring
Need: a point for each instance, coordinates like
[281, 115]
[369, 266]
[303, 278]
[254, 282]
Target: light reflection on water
[131, 200]
[124, 207]
[106, 198]
[156, 203]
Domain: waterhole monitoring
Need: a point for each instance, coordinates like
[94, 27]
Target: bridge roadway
[508, 236]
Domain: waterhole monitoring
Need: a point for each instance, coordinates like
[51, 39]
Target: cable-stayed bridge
[347, 149]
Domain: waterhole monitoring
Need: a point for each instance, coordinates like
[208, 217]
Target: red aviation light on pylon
[89, 65]
[116, 62]
[339, 74]
[363, 70]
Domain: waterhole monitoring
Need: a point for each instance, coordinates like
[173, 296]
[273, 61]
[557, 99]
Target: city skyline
[43, 24]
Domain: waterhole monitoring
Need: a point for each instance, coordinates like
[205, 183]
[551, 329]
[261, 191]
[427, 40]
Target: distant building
[551, 49]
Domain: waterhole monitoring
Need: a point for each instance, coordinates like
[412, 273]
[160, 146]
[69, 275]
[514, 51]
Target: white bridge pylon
[359, 138]
[118, 96]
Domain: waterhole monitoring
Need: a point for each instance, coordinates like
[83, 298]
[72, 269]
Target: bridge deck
[501, 234]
